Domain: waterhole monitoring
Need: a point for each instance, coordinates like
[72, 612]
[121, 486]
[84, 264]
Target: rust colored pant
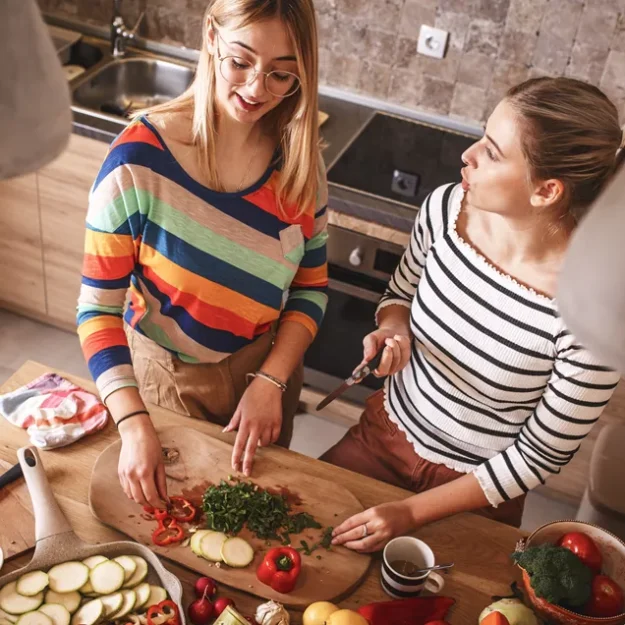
[208, 391]
[376, 447]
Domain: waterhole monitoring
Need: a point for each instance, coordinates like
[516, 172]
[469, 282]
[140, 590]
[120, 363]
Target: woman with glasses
[205, 276]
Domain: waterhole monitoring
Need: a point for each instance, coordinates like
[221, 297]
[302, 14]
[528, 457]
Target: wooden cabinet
[21, 264]
[63, 199]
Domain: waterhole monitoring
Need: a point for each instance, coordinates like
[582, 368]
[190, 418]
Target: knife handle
[370, 366]
[11, 475]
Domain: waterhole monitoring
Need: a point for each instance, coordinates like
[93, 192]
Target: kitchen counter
[479, 547]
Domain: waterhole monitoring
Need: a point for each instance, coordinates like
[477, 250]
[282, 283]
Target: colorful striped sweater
[202, 273]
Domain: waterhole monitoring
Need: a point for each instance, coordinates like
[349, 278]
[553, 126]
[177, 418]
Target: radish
[205, 586]
[221, 604]
[201, 611]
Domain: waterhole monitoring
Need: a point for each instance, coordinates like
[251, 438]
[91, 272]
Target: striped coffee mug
[399, 585]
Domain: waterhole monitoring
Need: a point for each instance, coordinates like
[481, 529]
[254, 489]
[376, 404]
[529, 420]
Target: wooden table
[479, 547]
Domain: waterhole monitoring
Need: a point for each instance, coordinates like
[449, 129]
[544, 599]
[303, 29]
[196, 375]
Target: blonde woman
[489, 393]
[210, 212]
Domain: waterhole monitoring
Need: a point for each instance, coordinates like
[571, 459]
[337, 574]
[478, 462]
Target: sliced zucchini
[107, 577]
[143, 594]
[157, 594]
[141, 572]
[57, 612]
[34, 618]
[14, 603]
[143, 618]
[71, 600]
[32, 583]
[128, 564]
[211, 544]
[93, 561]
[130, 598]
[88, 614]
[68, 576]
[5, 616]
[133, 618]
[237, 553]
[196, 539]
[87, 589]
[112, 603]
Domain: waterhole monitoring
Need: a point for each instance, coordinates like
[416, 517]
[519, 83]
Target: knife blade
[11, 475]
[356, 377]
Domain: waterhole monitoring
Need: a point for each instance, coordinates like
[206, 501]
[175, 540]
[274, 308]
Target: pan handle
[49, 518]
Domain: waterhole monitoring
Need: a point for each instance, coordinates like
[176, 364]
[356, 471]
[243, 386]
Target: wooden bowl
[613, 552]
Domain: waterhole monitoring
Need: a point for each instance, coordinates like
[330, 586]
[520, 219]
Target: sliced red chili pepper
[163, 613]
[182, 510]
[166, 535]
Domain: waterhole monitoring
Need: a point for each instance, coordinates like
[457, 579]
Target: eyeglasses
[238, 71]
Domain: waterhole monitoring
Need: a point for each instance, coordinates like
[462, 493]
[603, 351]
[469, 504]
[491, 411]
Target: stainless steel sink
[125, 85]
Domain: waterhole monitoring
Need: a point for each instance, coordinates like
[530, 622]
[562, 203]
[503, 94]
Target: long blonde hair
[294, 121]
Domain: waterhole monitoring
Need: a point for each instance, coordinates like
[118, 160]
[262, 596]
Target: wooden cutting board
[202, 461]
[17, 525]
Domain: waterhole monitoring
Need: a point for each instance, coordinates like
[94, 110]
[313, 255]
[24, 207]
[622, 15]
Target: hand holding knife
[359, 374]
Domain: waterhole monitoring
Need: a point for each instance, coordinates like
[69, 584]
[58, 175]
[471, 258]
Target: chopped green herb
[229, 506]
[326, 539]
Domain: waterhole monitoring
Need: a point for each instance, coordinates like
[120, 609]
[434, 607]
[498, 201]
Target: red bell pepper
[164, 613]
[411, 611]
[160, 514]
[280, 568]
[167, 534]
[182, 510]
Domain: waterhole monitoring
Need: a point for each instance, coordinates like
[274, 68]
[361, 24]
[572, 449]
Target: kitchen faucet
[119, 33]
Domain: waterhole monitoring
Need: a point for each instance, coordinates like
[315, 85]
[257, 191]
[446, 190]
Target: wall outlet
[432, 41]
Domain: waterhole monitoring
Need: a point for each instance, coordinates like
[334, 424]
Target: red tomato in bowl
[584, 547]
[606, 598]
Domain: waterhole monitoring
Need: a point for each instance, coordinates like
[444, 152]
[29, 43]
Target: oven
[359, 268]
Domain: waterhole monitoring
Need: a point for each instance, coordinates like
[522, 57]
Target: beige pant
[208, 391]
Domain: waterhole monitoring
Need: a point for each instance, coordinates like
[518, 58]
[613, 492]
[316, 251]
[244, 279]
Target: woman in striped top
[209, 214]
[489, 393]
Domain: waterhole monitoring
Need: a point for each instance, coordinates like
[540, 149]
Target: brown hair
[570, 133]
[294, 121]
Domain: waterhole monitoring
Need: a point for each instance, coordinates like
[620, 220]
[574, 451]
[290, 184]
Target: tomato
[584, 548]
[606, 598]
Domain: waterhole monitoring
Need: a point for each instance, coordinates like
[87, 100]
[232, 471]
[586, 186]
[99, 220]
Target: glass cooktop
[400, 160]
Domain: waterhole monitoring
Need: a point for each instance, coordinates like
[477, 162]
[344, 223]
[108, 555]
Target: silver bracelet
[261, 374]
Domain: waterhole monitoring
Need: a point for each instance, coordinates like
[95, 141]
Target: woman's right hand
[396, 344]
[141, 470]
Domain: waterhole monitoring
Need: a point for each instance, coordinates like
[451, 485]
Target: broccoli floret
[557, 575]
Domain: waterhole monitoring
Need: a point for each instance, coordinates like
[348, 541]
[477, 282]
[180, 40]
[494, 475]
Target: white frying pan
[56, 541]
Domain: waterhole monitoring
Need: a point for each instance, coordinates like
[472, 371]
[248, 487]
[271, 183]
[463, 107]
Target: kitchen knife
[356, 377]
[11, 475]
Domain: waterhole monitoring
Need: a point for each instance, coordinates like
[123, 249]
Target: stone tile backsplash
[370, 46]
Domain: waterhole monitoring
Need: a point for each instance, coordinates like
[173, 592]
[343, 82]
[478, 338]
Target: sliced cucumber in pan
[58, 613]
[68, 576]
[14, 603]
[31, 584]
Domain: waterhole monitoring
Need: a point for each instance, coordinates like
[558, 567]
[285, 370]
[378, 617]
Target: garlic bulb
[272, 613]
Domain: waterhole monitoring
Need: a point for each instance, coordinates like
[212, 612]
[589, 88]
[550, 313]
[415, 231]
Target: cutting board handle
[49, 518]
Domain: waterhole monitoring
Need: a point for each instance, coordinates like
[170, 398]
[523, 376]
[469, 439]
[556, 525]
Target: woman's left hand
[382, 523]
[258, 419]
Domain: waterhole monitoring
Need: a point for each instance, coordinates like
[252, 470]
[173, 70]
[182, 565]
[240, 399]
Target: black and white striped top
[496, 385]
